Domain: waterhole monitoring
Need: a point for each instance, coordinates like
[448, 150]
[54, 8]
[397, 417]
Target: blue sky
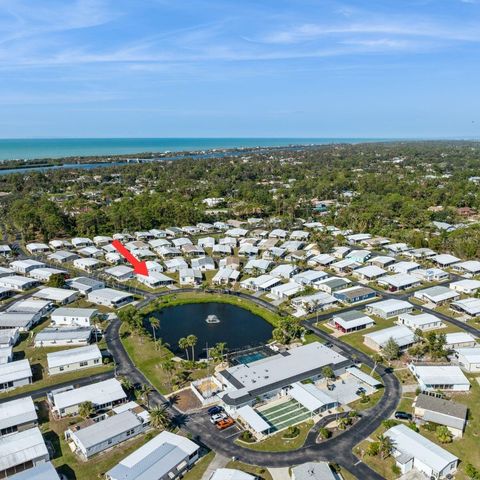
[296, 68]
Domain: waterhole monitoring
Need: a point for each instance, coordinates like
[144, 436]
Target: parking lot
[345, 388]
[285, 414]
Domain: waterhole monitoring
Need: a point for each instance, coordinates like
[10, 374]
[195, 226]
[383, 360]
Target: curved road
[337, 450]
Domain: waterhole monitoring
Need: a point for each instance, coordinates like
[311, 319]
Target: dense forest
[389, 189]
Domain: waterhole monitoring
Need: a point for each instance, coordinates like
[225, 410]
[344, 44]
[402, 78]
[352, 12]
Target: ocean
[28, 149]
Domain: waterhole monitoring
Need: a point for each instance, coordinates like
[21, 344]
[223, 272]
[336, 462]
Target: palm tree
[145, 392]
[192, 341]
[169, 367]
[443, 434]
[386, 445]
[162, 345]
[159, 417]
[220, 348]
[184, 344]
[126, 384]
[86, 409]
[154, 323]
[343, 423]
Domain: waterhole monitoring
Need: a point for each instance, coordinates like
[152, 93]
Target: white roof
[364, 377]
[41, 471]
[281, 368]
[420, 319]
[437, 293]
[74, 312]
[310, 396]
[408, 442]
[400, 333]
[21, 447]
[16, 412]
[16, 281]
[109, 294]
[352, 318]
[230, 474]
[472, 266]
[459, 337]
[254, 420]
[29, 305]
[391, 305]
[74, 355]
[469, 305]
[441, 375]
[98, 393]
[13, 371]
[445, 259]
[399, 280]
[471, 354]
[119, 271]
[467, 284]
[155, 459]
[370, 271]
[55, 294]
[403, 267]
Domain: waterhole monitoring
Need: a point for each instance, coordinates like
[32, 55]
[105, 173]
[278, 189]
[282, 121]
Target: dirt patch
[185, 400]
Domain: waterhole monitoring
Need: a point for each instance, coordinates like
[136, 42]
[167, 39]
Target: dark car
[215, 410]
[360, 391]
[403, 416]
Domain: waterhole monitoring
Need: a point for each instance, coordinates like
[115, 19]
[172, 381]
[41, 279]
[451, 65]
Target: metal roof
[42, 471]
[13, 371]
[98, 393]
[16, 412]
[310, 396]
[154, 459]
[21, 447]
[101, 431]
[74, 355]
[254, 420]
[406, 441]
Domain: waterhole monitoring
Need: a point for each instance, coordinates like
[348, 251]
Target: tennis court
[285, 414]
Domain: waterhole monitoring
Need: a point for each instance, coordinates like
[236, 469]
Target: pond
[238, 327]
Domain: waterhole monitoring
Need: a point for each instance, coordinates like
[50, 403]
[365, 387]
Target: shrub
[396, 470]
[325, 433]
[373, 449]
[246, 436]
[291, 432]
[389, 423]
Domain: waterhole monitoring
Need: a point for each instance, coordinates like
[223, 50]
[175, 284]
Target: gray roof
[313, 471]
[350, 316]
[106, 429]
[63, 333]
[444, 412]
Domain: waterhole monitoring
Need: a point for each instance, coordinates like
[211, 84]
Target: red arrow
[138, 267]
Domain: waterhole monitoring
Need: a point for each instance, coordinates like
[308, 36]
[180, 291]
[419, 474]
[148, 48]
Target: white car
[217, 417]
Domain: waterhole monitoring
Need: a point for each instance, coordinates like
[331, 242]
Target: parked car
[217, 417]
[360, 391]
[225, 423]
[403, 416]
[215, 410]
[331, 386]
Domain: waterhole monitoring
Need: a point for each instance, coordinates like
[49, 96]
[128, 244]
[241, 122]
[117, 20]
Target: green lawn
[200, 467]
[148, 359]
[372, 400]
[276, 442]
